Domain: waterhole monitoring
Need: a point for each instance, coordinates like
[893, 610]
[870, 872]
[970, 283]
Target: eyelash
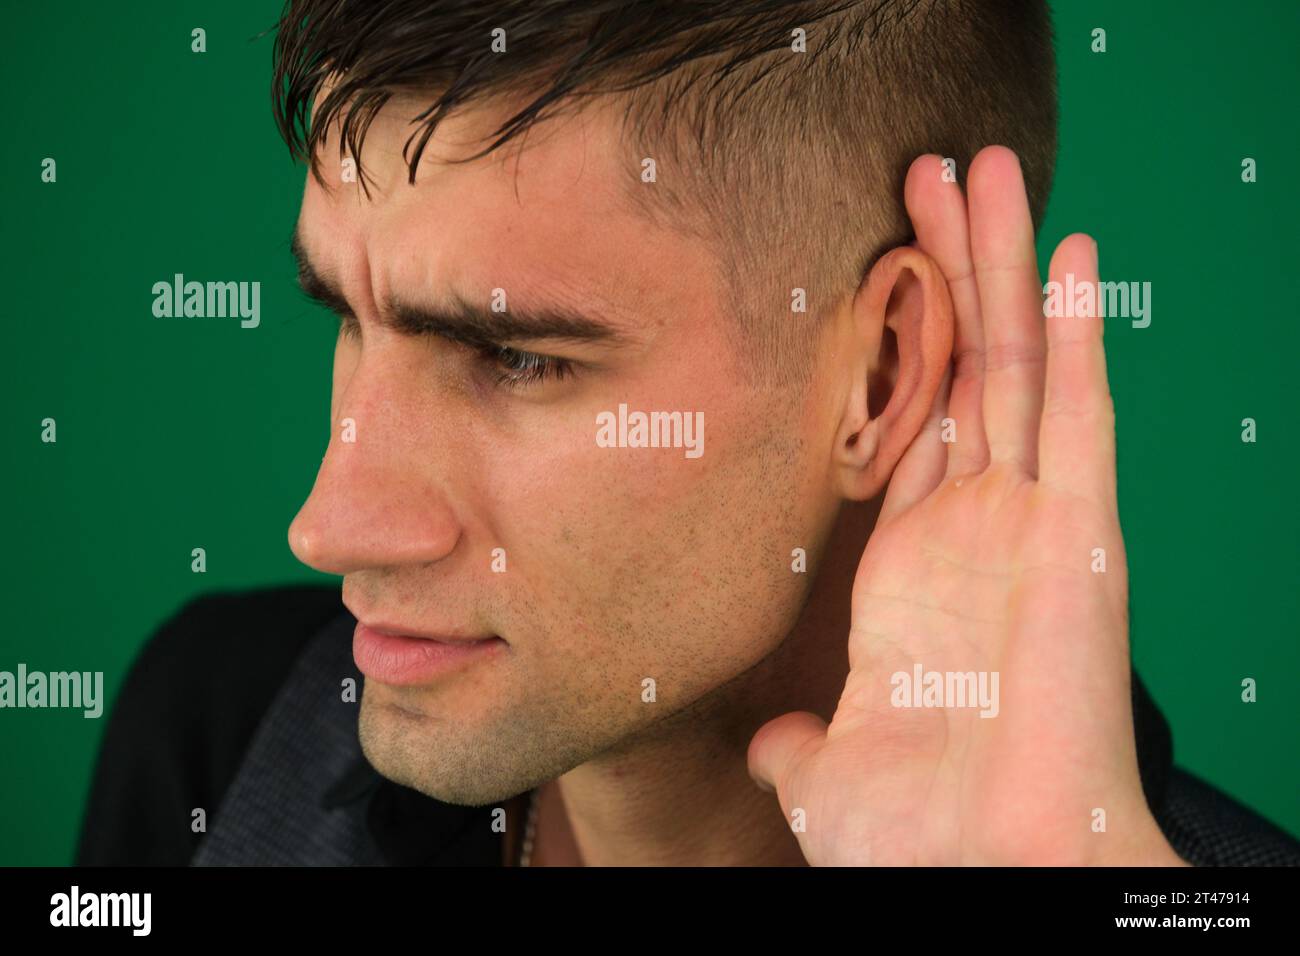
[519, 369]
[515, 368]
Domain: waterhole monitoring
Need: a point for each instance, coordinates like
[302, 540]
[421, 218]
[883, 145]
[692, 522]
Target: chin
[411, 749]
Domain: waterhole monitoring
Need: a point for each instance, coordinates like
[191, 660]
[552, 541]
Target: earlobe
[905, 292]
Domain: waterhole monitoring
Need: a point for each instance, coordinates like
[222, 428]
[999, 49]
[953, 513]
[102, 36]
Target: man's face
[621, 563]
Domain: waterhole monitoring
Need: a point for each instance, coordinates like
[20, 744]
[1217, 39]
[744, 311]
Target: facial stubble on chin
[499, 757]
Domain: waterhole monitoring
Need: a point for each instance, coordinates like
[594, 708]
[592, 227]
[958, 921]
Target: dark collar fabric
[411, 829]
[305, 795]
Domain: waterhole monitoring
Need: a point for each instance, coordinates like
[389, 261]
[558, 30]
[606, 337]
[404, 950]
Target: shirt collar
[412, 829]
[1155, 745]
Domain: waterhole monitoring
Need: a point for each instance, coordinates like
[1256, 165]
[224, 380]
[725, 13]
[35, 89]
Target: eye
[517, 369]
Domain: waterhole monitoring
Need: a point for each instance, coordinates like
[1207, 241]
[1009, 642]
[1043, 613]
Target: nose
[381, 499]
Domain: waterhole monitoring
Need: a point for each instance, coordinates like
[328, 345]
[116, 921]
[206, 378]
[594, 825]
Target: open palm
[997, 564]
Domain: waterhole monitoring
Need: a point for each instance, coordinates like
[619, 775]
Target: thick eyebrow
[313, 285]
[461, 320]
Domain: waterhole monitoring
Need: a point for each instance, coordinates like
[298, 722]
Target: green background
[181, 434]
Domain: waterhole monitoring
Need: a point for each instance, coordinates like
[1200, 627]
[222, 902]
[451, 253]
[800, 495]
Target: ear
[902, 317]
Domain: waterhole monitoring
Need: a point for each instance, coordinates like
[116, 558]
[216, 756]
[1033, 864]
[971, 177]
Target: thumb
[781, 746]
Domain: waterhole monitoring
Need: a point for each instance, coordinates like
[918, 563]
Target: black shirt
[235, 706]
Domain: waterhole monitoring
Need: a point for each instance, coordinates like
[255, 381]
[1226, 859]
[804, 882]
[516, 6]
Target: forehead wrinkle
[567, 275]
[571, 216]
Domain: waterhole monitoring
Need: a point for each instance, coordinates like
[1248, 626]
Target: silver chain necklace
[526, 851]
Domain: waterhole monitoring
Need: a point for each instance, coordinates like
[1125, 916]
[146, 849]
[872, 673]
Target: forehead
[551, 215]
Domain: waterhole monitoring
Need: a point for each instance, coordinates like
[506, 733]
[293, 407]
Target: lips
[403, 658]
[442, 637]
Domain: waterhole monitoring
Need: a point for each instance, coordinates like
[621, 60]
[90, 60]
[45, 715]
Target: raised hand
[987, 561]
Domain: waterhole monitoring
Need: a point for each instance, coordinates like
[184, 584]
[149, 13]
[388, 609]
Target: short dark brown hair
[790, 163]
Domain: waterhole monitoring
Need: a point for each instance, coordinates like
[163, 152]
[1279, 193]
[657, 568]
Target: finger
[781, 745]
[1077, 436]
[922, 466]
[938, 213]
[1011, 303]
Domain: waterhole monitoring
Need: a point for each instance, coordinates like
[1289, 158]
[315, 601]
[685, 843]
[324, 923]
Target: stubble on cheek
[675, 571]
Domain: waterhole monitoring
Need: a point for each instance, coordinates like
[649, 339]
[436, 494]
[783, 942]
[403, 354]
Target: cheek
[605, 531]
[564, 482]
